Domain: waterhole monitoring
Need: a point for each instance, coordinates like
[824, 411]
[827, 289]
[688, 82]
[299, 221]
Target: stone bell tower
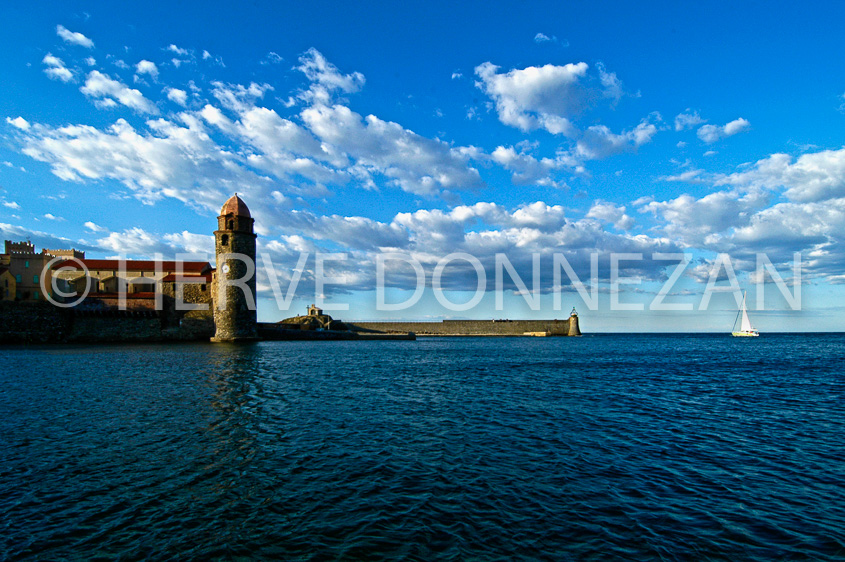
[235, 313]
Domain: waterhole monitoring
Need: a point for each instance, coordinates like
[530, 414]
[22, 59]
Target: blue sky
[431, 128]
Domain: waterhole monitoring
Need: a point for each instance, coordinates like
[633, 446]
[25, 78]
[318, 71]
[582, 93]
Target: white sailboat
[746, 330]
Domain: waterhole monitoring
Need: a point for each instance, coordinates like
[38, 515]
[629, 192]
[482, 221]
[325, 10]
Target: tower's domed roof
[235, 206]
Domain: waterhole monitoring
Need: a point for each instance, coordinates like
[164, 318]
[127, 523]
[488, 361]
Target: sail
[745, 326]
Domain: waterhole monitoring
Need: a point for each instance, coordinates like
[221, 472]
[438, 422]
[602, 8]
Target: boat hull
[745, 334]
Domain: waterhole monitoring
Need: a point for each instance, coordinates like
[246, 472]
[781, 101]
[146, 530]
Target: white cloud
[546, 97]
[598, 141]
[179, 162]
[93, 227]
[812, 177]
[18, 122]
[56, 68]
[611, 84]
[90, 61]
[704, 222]
[688, 120]
[135, 242]
[192, 243]
[238, 97]
[541, 38]
[457, 75]
[527, 169]
[147, 67]
[536, 97]
[174, 49]
[416, 164]
[11, 205]
[713, 133]
[177, 96]
[690, 176]
[52, 217]
[272, 58]
[73, 37]
[326, 78]
[610, 213]
[108, 92]
[214, 59]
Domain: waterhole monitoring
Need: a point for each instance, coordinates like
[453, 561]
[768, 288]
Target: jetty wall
[568, 327]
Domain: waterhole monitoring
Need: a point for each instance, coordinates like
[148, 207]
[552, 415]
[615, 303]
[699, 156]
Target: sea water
[606, 446]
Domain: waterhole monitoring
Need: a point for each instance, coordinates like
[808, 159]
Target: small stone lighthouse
[235, 313]
[574, 328]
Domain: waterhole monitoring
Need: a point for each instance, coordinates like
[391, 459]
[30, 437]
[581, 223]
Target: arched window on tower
[231, 225]
[224, 239]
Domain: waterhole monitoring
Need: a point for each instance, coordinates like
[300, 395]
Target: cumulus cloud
[536, 97]
[135, 242]
[414, 163]
[688, 120]
[93, 227]
[11, 205]
[147, 67]
[815, 176]
[56, 68]
[482, 229]
[177, 96]
[706, 221]
[190, 242]
[179, 162]
[18, 123]
[73, 37]
[528, 170]
[598, 141]
[611, 214]
[551, 98]
[427, 235]
[177, 50]
[238, 97]
[326, 78]
[713, 133]
[108, 92]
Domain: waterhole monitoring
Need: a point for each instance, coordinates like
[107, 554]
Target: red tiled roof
[188, 267]
[235, 206]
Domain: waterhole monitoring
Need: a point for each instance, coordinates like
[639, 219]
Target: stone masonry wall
[236, 320]
[43, 323]
[470, 327]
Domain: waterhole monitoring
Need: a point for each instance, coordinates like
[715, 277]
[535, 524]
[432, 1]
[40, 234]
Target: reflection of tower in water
[234, 281]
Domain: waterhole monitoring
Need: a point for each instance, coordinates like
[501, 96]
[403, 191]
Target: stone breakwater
[568, 327]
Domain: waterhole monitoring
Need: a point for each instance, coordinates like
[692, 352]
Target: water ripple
[629, 447]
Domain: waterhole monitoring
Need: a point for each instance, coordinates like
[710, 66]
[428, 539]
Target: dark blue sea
[635, 447]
